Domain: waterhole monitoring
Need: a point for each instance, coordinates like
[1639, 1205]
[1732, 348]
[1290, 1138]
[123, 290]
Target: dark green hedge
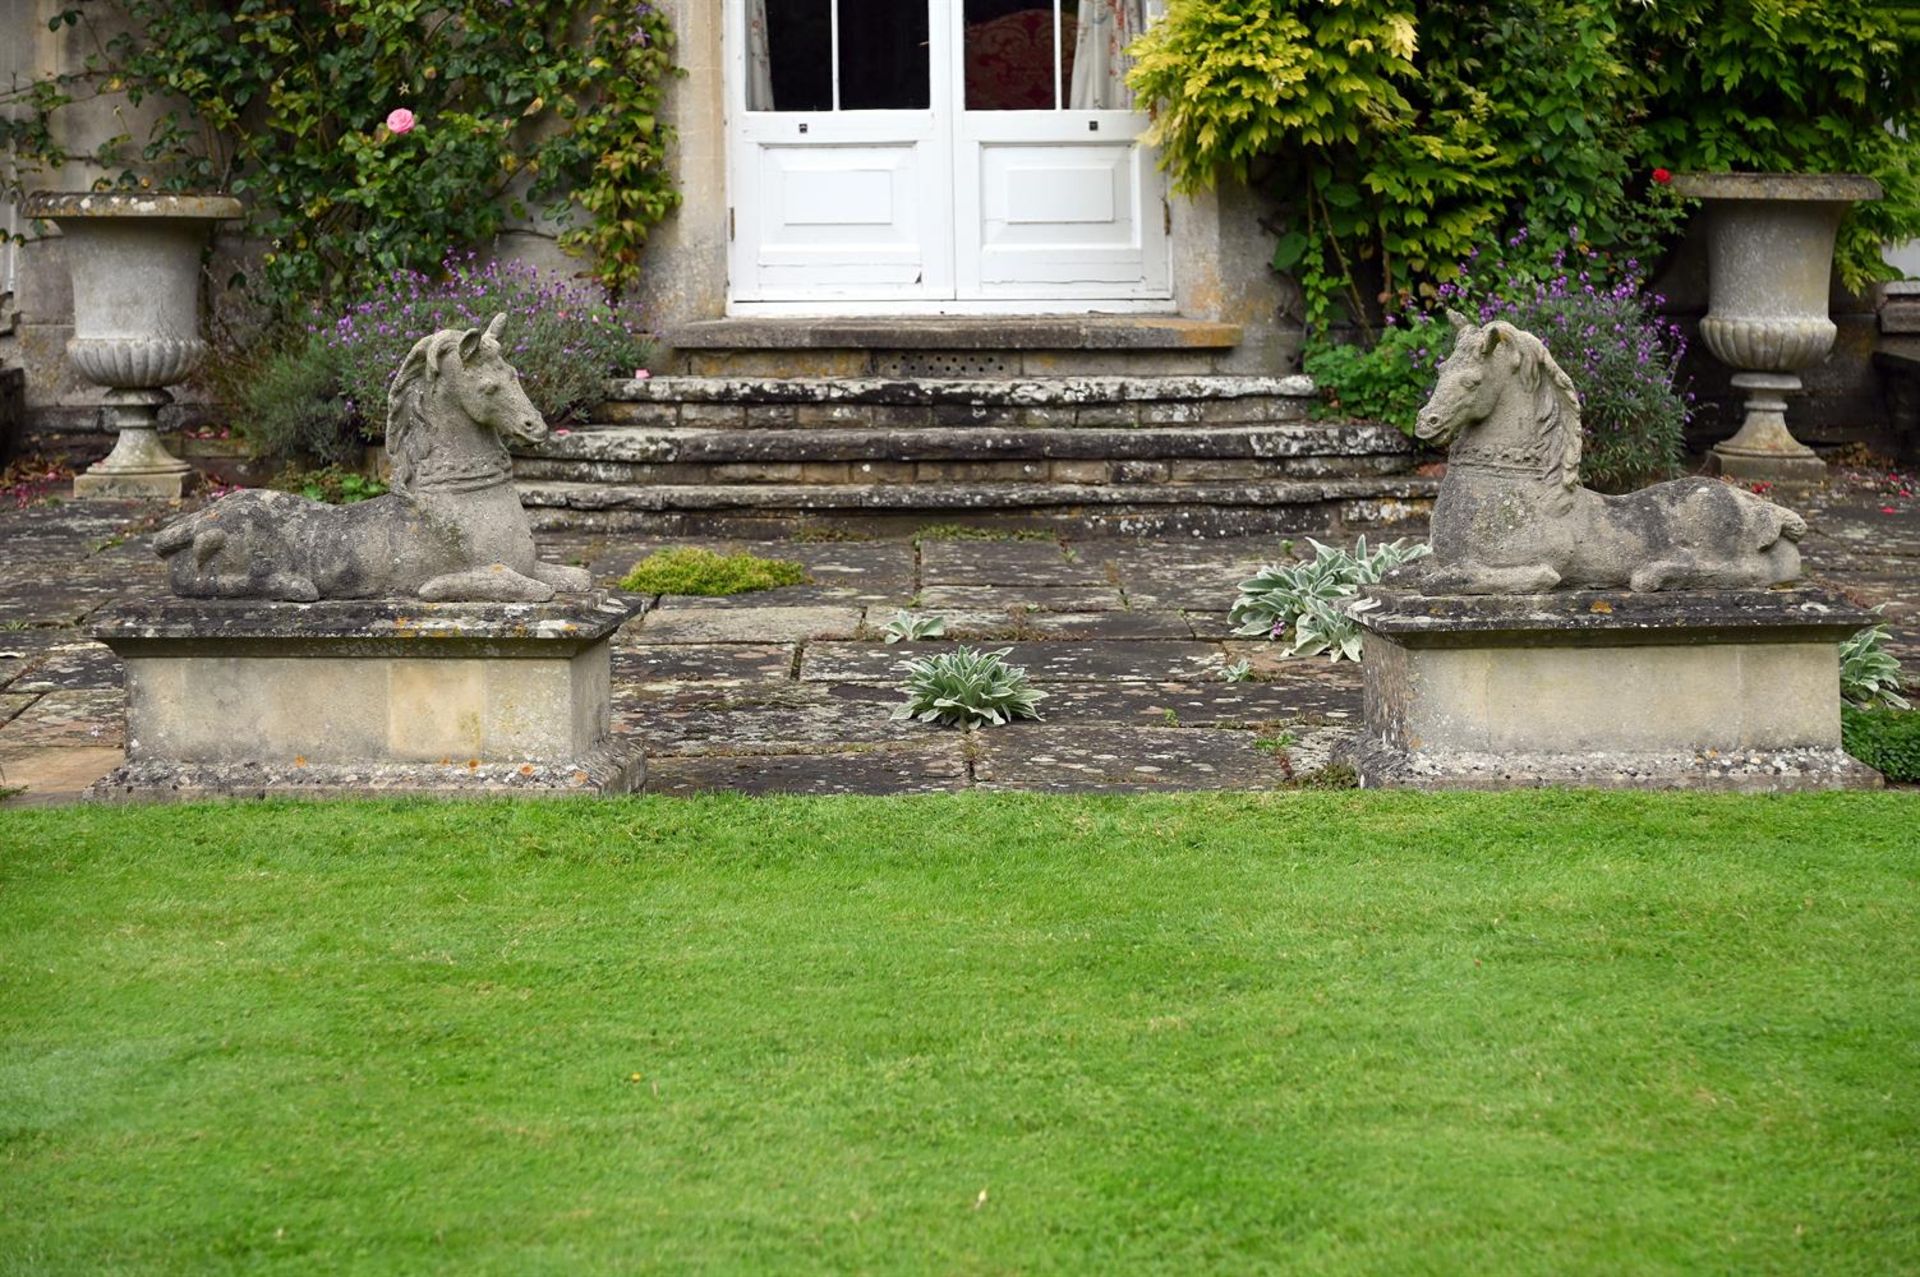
[1885, 739]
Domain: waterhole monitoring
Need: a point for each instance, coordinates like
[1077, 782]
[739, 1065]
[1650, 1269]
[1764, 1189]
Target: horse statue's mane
[409, 443]
[1556, 404]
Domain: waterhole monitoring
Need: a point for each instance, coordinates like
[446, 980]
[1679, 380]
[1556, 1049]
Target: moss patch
[691, 570]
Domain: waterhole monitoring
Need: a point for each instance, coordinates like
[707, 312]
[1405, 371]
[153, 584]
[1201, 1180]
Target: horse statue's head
[1503, 402]
[452, 406]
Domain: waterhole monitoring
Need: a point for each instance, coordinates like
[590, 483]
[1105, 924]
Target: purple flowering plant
[1604, 328]
[319, 398]
[1596, 317]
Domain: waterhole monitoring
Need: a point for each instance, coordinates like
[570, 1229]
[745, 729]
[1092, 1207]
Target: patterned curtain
[759, 58]
[1100, 62]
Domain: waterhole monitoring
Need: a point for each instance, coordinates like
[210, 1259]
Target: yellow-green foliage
[1233, 80]
[691, 570]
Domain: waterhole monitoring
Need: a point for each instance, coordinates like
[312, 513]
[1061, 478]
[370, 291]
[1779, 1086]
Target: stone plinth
[245, 698]
[1731, 690]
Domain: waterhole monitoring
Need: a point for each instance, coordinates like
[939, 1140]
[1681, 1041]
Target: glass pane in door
[885, 63]
[789, 55]
[1012, 54]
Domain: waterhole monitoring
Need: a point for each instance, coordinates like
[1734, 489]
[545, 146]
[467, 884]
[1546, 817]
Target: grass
[1325, 1033]
[692, 570]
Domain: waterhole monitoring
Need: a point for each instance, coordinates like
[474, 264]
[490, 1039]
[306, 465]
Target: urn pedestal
[135, 265]
[1770, 262]
[1724, 690]
[240, 698]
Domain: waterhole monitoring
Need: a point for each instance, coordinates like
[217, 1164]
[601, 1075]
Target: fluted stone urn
[1770, 262]
[135, 265]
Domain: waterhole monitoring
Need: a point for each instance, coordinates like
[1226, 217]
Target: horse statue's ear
[1489, 339]
[498, 322]
[470, 345]
[1459, 321]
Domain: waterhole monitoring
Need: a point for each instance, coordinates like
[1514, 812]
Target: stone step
[1320, 506]
[916, 403]
[956, 346]
[693, 455]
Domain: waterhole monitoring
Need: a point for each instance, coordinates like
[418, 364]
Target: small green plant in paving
[1887, 740]
[905, 627]
[1310, 1032]
[1310, 598]
[1869, 674]
[962, 532]
[967, 686]
[1238, 672]
[692, 570]
[334, 485]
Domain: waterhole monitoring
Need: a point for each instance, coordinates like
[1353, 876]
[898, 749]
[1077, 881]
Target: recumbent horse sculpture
[452, 529]
[1512, 517]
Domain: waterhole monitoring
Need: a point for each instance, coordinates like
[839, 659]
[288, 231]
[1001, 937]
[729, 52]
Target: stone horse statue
[1512, 517]
[450, 530]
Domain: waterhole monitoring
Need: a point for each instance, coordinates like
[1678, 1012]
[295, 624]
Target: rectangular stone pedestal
[1733, 690]
[247, 697]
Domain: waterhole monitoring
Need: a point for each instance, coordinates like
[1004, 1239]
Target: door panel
[1042, 215]
[843, 220]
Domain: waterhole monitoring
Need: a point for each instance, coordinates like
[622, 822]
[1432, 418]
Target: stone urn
[1769, 265]
[135, 265]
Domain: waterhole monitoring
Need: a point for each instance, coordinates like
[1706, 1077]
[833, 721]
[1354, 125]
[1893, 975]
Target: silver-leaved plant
[1313, 600]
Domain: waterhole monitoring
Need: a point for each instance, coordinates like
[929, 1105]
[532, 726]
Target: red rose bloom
[1663, 176]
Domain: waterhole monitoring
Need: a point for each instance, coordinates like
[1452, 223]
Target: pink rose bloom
[641, 374]
[400, 120]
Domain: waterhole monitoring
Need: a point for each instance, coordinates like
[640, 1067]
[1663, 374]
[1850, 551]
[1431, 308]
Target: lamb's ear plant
[1311, 599]
[1869, 674]
[964, 686]
[905, 627]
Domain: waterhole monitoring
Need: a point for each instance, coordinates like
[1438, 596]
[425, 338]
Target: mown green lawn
[1333, 1032]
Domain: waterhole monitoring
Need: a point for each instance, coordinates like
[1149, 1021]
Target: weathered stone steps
[1297, 505]
[719, 446]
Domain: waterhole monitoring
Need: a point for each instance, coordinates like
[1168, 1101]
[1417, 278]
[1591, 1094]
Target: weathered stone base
[1757, 771]
[241, 697]
[164, 486]
[1809, 471]
[618, 767]
[1735, 690]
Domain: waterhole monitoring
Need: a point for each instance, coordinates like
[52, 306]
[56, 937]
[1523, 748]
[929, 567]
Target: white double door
[862, 181]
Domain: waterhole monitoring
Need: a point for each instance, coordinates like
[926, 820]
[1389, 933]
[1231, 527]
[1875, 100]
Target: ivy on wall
[371, 136]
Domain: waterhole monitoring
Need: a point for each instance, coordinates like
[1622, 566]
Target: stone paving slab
[936, 767]
[41, 604]
[1215, 704]
[11, 703]
[1148, 660]
[71, 665]
[19, 649]
[81, 716]
[1072, 757]
[669, 665]
[54, 774]
[788, 719]
[1015, 624]
[1043, 598]
[677, 623]
[1019, 563]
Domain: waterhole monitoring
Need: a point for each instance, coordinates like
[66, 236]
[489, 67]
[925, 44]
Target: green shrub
[964, 686]
[692, 570]
[1310, 598]
[292, 407]
[1887, 740]
[1605, 330]
[1388, 381]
